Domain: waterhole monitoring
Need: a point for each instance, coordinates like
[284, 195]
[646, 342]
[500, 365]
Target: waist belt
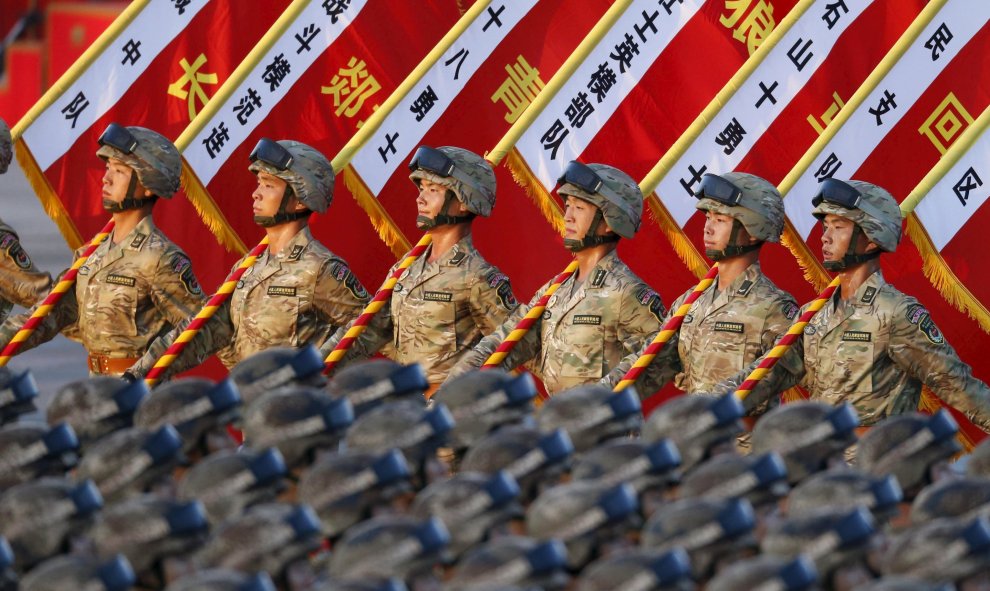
[104, 365]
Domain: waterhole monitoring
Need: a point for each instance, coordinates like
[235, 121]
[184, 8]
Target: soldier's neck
[279, 236]
[852, 279]
[729, 269]
[590, 257]
[124, 222]
[445, 237]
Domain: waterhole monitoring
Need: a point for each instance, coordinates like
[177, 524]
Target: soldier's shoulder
[7, 229]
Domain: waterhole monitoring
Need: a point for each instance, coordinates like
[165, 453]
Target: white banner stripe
[573, 134]
[784, 73]
[267, 84]
[401, 133]
[907, 80]
[106, 80]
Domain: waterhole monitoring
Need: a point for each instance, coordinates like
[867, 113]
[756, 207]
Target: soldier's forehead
[117, 162]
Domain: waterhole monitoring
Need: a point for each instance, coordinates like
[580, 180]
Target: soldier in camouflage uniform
[600, 314]
[137, 284]
[871, 345]
[741, 315]
[297, 292]
[451, 296]
[20, 281]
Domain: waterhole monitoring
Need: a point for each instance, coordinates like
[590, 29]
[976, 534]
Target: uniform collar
[294, 248]
[138, 237]
[456, 254]
[600, 272]
[868, 292]
[742, 286]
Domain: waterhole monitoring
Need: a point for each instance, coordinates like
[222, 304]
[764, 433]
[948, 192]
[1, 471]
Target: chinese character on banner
[388, 148]
[519, 89]
[246, 106]
[579, 110]
[459, 57]
[181, 5]
[131, 52]
[192, 78]
[553, 137]
[730, 137]
[832, 15]
[350, 87]
[335, 8]
[828, 168]
[886, 104]
[219, 136]
[946, 122]
[75, 108]
[305, 38]
[828, 115]
[276, 72]
[938, 41]
[602, 80]
[751, 22]
[695, 178]
[969, 182]
[625, 52]
[423, 103]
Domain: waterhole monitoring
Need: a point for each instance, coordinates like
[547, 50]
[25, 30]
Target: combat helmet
[469, 178]
[616, 195]
[874, 211]
[753, 203]
[153, 158]
[307, 173]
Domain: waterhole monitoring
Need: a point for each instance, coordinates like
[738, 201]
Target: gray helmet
[346, 488]
[753, 202]
[940, 551]
[147, 529]
[876, 212]
[308, 172]
[96, 406]
[832, 539]
[535, 460]
[843, 488]
[80, 572]
[275, 367]
[390, 546]
[470, 178]
[963, 497]
[369, 384]
[806, 434]
[709, 530]
[767, 572]
[17, 393]
[299, 421]
[38, 518]
[889, 583]
[220, 579]
[618, 197]
[483, 401]
[511, 561]
[267, 537]
[196, 407]
[592, 414]
[639, 568]
[978, 462]
[470, 504]
[6, 147]
[584, 516]
[407, 426]
[696, 424]
[760, 479]
[32, 450]
[151, 155]
[228, 483]
[131, 461]
[644, 466]
[907, 446]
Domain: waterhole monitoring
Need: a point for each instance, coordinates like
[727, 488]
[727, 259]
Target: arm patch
[12, 246]
[182, 267]
[343, 274]
[503, 288]
[651, 299]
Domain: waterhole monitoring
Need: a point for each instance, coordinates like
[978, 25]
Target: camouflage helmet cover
[473, 181]
[310, 175]
[881, 225]
[761, 212]
[6, 147]
[155, 160]
[622, 207]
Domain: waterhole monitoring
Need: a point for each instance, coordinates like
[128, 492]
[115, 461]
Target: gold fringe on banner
[795, 394]
[812, 268]
[383, 223]
[528, 181]
[942, 277]
[46, 194]
[678, 239]
[209, 211]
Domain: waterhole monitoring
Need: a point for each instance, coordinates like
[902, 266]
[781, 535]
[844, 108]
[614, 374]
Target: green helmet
[6, 147]
[616, 195]
[874, 211]
[153, 157]
[468, 176]
[752, 201]
[308, 173]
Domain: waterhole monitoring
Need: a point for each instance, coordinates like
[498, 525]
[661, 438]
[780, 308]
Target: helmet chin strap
[732, 249]
[851, 260]
[590, 239]
[267, 221]
[442, 218]
[131, 201]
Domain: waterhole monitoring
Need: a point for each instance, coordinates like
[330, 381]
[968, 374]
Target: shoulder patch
[599, 279]
[342, 273]
[138, 240]
[651, 299]
[182, 267]
[745, 288]
[869, 295]
[297, 251]
[928, 328]
[457, 259]
[790, 310]
[915, 312]
[503, 288]
[12, 246]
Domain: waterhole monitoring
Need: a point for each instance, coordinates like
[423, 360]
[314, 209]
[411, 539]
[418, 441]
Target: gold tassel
[528, 181]
[675, 235]
[46, 194]
[794, 394]
[812, 269]
[383, 223]
[942, 277]
[208, 210]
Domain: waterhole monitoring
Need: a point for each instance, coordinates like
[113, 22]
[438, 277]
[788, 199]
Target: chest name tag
[729, 327]
[587, 319]
[121, 280]
[281, 290]
[438, 296]
[857, 336]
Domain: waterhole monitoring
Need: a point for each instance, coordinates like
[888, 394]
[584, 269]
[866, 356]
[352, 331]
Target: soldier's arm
[213, 336]
[339, 296]
[920, 349]
[376, 335]
[20, 281]
[492, 300]
[661, 370]
[787, 373]
[62, 316]
[175, 291]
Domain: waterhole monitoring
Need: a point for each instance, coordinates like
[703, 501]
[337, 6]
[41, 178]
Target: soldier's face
[116, 179]
[431, 198]
[268, 196]
[718, 230]
[836, 233]
[578, 215]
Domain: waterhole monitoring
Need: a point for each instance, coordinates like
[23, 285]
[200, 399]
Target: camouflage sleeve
[339, 296]
[175, 291]
[661, 370]
[376, 335]
[919, 348]
[216, 334]
[492, 300]
[787, 373]
[20, 281]
[62, 316]
[779, 319]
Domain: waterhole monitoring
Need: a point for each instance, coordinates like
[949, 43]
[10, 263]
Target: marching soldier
[741, 315]
[601, 313]
[20, 281]
[297, 292]
[871, 345]
[137, 284]
[451, 296]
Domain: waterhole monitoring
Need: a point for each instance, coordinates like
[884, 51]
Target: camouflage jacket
[875, 351]
[438, 311]
[21, 282]
[296, 297]
[125, 296]
[583, 335]
[722, 334]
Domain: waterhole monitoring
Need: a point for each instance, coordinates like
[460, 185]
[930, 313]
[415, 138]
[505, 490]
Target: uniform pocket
[116, 306]
[581, 350]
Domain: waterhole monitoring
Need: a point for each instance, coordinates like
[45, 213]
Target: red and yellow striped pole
[381, 297]
[527, 322]
[793, 333]
[212, 305]
[45, 308]
[668, 330]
